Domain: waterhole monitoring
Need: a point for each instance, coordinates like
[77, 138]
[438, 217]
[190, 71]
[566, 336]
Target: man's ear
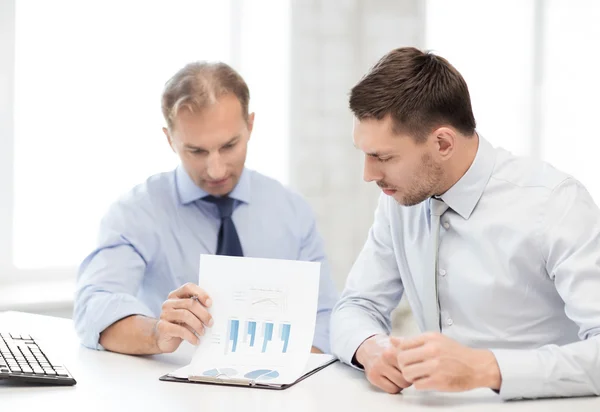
[250, 123]
[169, 139]
[445, 140]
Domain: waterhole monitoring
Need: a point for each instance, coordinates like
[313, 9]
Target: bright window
[88, 80]
[531, 67]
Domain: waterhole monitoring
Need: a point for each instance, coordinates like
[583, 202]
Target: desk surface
[113, 382]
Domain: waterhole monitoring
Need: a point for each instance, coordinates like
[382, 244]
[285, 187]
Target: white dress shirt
[518, 273]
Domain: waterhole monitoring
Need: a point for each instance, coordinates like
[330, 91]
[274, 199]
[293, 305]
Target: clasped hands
[430, 361]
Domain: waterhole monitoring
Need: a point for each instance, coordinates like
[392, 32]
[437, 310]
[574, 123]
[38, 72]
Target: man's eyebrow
[231, 141]
[377, 154]
[192, 147]
[372, 154]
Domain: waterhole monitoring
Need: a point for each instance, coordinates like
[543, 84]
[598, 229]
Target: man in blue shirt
[136, 291]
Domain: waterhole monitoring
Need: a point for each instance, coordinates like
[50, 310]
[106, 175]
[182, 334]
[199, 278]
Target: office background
[80, 119]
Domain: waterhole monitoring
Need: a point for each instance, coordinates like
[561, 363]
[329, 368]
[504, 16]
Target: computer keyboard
[22, 360]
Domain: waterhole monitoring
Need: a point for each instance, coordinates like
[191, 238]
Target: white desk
[112, 382]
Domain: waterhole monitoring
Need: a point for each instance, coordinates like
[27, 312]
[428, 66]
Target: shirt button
[446, 225]
[449, 322]
[442, 272]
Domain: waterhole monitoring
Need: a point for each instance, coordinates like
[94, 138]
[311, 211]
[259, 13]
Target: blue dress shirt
[151, 239]
[518, 273]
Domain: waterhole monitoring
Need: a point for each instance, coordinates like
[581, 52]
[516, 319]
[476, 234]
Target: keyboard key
[20, 355]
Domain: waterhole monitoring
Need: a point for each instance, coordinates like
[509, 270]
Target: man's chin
[408, 202]
[218, 189]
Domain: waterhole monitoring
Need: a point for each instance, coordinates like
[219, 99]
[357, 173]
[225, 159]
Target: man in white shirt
[499, 256]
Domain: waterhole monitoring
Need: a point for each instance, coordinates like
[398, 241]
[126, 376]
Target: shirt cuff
[518, 370]
[348, 350]
[104, 311]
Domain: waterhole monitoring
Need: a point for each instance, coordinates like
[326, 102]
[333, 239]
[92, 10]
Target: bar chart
[258, 337]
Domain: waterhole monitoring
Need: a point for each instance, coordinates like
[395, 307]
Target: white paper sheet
[264, 313]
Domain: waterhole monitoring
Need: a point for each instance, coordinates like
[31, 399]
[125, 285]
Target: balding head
[199, 85]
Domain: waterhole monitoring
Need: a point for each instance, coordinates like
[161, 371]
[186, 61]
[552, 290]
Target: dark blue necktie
[228, 243]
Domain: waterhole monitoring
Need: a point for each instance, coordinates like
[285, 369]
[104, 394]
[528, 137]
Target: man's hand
[378, 356]
[184, 316]
[436, 362]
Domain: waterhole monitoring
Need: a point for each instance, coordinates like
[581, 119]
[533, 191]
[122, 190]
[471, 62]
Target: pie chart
[262, 374]
[228, 372]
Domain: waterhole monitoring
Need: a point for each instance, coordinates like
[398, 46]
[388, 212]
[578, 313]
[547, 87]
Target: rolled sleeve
[103, 310]
[110, 278]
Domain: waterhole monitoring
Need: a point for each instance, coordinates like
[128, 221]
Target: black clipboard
[247, 383]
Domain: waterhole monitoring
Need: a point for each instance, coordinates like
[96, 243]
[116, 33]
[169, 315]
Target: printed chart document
[264, 313]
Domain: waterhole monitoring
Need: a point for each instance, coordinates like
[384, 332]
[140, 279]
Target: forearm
[96, 311]
[133, 335]
[551, 371]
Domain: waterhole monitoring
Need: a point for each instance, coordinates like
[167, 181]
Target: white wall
[333, 44]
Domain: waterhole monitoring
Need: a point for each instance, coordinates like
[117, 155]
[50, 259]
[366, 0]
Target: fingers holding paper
[184, 316]
[170, 335]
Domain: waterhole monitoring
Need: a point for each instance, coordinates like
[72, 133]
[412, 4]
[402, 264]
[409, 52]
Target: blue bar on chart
[268, 335]
[284, 334]
[250, 331]
[234, 326]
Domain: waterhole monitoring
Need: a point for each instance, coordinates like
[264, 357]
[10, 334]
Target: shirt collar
[465, 194]
[189, 192]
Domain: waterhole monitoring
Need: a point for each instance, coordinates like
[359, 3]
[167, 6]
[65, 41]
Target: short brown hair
[420, 91]
[199, 85]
